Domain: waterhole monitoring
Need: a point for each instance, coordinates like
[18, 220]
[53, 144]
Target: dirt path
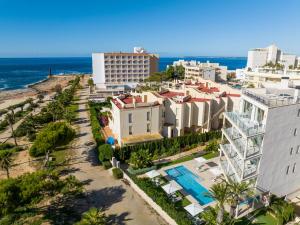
[120, 202]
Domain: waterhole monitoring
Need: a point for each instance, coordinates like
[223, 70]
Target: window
[129, 118]
[148, 127]
[298, 149]
[148, 116]
[130, 130]
[295, 132]
[177, 122]
[298, 112]
[291, 151]
[294, 167]
[287, 170]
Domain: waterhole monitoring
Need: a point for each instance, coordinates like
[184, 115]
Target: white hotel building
[207, 71]
[171, 112]
[261, 142]
[119, 70]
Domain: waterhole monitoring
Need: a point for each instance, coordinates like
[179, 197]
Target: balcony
[243, 123]
[250, 145]
[229, 173]
[234, 159]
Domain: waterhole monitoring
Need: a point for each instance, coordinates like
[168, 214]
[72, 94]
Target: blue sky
[170, 27]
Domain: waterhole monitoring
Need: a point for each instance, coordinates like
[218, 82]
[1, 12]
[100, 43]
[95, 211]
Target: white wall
[98, 68]
[278, 140]
[257, 58]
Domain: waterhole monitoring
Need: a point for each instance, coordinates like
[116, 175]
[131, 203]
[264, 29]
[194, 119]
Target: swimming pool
[190, 183]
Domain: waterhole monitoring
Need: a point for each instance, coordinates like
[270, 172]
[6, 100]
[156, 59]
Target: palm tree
[93, 217]
[5, 161]
[11, 120]
[283, 211]
[238, 191]
[220, 192]
[91, 84]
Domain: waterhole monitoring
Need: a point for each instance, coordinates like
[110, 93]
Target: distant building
[171, 112]
[259, 57]
[119, 70]
[261, 142]
[207, 71]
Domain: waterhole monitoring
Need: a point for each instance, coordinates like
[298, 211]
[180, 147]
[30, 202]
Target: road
[120, 202]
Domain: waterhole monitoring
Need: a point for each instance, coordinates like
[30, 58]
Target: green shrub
[160, 197]
[212, 146]
[105, 152]
[95, 125]
[141, 159]
[107, 165]
[117, 173]
[52, 136]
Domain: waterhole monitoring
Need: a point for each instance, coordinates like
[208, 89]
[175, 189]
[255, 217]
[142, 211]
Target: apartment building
[118, 70]
[190, 107]
[259, 57]
[207, 71]
[261, 142]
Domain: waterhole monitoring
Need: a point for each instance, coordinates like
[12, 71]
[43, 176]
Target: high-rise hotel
[117, 70]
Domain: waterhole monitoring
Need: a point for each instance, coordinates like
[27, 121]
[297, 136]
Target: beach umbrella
[153, 173]
[194, 209]
[171, 187]
[110, 140]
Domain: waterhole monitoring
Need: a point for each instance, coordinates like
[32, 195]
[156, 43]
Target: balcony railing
[248, 127]
[240, 144]
[233, 157]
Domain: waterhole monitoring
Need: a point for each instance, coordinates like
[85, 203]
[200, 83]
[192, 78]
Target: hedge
[105, 152]
[140, 171]
[158, 195]
[167, 146]
[95, 125]
[117, 173]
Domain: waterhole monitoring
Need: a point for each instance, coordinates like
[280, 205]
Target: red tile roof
[198, 100]
[171, 94]
[129, 99]
[208, 90]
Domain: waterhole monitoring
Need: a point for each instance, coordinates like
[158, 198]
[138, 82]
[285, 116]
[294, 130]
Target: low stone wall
[156, 207]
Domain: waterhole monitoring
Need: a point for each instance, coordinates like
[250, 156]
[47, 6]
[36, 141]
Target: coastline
[45, 86]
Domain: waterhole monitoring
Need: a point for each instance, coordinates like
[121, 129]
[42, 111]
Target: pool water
[190, 183]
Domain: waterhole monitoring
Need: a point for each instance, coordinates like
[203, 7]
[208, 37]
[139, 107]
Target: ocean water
[17, 73]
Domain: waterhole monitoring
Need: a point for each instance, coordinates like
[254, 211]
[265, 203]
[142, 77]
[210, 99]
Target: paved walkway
[121, 203]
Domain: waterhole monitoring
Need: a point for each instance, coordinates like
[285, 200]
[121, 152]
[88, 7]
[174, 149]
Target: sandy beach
[46, 86]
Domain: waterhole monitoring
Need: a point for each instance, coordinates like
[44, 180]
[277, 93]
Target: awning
[194, 209]
[153, 173]
[171, 187]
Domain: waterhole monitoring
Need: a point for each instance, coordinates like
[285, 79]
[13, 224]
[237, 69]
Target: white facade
[261, 141]
[123, 69]
[207, 71]
[174, 112]
[259, 57]
[288, 60]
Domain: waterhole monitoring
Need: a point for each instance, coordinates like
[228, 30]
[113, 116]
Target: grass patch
[261, 216]
[211, 155]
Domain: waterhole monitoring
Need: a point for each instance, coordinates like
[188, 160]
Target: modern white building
[259, 57]
[207, 71]
[189, 107]
[118, 70]
[261, 141]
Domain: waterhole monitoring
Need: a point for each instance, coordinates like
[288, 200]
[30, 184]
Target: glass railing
[240, 144]
[233, 157]
[247, 126]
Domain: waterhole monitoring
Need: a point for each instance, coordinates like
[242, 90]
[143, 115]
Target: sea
[18, 73]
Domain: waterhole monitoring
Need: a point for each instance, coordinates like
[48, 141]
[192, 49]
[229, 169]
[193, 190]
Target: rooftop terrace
[273, 97]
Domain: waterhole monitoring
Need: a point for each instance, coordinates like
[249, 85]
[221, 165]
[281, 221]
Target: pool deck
[204, 173]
